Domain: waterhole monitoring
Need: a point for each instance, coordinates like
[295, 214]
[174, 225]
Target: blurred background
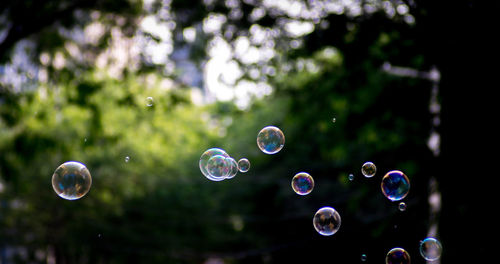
[347, 81]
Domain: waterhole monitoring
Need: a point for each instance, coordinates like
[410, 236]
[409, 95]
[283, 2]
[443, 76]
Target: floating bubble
[302, 183]
[326, 221]
[218, 166]
[244, 165]
[270, 140]
[397, 256]
[351, 176]
[368, 169]
[149, 101]
[395, 185]
[234, 168]
[363, 257]
[430, 249]
[71, 180]
[205, 157]
[402, 206]
[334, 120]
[127, 159]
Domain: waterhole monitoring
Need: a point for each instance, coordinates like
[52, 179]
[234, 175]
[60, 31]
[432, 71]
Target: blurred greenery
[333, 98]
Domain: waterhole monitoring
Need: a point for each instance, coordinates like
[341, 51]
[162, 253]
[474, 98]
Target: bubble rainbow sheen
[368, 169]
[397, 256]
[270, 140]
[71, 180]
[326, 221]
[243, 165]
[302, 183]
[219, 166]
[430, 249]
[233, 168]
[395, 185]
[205, 157]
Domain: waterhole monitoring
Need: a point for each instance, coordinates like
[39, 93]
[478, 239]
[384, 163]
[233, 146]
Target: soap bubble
[149, 101]
[334, 120]
[71, 180]
[127, 159]
[395, 185]
[302, 183]
[363, 257]
[233, 168]
[326, 221]
[368, 169]
[218, 166]
[244, 165]
[351, 176]
[270, 140]
[205, 157]
[402, 206]
[397, 256]
[430, 249]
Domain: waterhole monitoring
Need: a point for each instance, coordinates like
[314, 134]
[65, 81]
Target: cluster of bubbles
[71, 180]
[430, 249]
[217, 165]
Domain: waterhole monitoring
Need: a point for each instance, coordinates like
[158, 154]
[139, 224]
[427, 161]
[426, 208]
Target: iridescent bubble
[218, 166]
[204, 161]
[351, 176]
[149, 101]
[397, 256]
[71, 180]
[402, 206]
[395, 185]
[270, 140]
[326, 221]
[244, 165]
[368, 169]
[430, 249]
[234, 168]
[363, 257]
[127, 159]
[334, 120]
[302, 183]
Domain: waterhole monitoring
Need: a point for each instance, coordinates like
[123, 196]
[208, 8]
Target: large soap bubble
[395, 185]
[270, 140]
[397, 256]
[326, 221]
[71, 180]
[302, 183]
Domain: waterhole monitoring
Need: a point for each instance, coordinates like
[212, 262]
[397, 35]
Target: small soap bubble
[149, 101]
[334, 120]
[363, 257]
[270, 140]
[430, 249]
[234, 168]
[326, 221]
[402, 206]
[127, 159]
[351, 177]
[71, 180]
[205, 157]
[302, 183]
[368, 169]
[244, 165]
[218, 166]
[395, 185]
[397, 256]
